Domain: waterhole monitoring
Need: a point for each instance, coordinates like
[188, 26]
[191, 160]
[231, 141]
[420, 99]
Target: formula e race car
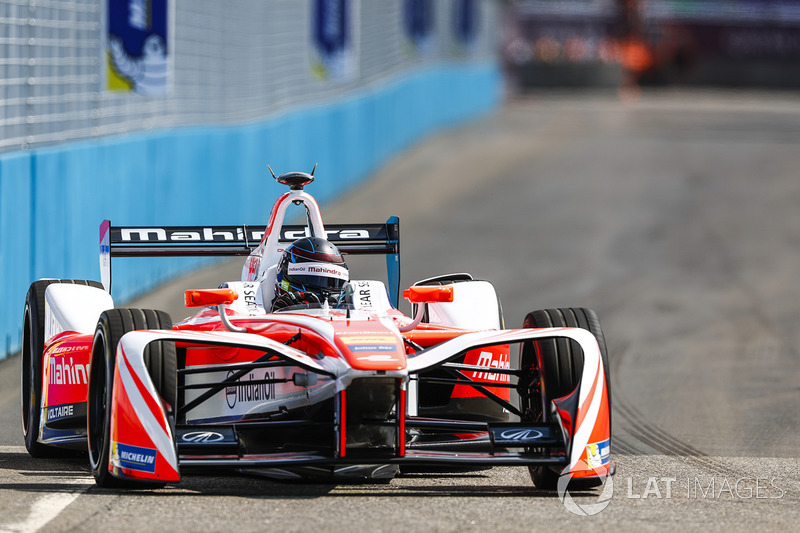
[345, 389]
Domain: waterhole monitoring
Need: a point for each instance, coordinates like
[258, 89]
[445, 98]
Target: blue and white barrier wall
[52, 200]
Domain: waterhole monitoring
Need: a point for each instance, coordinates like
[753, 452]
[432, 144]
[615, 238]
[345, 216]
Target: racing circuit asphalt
[675, 217]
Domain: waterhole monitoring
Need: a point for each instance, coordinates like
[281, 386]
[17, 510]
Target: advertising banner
[465, 21]
[334, 55]
[418, 26]
[137, 56]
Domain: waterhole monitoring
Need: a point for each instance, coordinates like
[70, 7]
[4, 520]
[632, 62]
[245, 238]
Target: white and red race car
[353, 390]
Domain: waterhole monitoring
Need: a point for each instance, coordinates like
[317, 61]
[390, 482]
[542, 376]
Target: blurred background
[149, 112]
[631, 43]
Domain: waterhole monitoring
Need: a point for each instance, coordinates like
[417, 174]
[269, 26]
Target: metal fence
[232, 61]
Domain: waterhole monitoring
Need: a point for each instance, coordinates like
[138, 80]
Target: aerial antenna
[295, 180]
[312, 170]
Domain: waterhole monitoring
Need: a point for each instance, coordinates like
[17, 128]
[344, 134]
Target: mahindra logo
[190, 234]
[487, 359]
[330, 234]
[202, 437]
[521, 434]
[230, 234]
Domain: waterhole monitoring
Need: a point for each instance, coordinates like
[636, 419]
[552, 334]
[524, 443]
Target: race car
[349, 388]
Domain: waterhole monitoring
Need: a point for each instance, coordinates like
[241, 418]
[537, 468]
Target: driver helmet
[312, 264]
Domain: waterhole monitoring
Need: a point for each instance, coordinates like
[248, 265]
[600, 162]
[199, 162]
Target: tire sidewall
[31, 369]
[30, 393]
[544, 477]
[111, 327]
[101, 377]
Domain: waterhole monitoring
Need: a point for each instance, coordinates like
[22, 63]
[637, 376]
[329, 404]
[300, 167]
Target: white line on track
[45, 508]
[13, 449]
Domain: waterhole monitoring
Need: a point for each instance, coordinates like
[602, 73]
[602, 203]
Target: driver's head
[312, 265]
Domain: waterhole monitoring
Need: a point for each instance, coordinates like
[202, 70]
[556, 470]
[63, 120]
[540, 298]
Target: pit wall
[53, 199]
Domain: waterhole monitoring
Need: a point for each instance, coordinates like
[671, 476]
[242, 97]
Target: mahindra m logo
[521, 434]
[202, 437]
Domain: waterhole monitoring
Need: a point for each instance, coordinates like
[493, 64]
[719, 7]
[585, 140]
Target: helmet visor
[321, 276]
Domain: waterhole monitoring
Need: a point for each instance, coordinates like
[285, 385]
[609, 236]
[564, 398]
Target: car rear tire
[31, 367]
[562, 360]
[161, 361]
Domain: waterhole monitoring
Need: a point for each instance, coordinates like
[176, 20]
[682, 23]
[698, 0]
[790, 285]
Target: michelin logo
[598, 454]
[133, 457]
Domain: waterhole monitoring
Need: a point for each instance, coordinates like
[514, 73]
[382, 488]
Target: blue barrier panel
[15, 245]
[52, 200]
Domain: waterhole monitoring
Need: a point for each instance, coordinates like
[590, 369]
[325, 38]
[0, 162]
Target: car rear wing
[197, 241]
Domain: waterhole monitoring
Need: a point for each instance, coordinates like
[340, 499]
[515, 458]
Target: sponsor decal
[318, 269]
[363, 296]
[105, 254]
[62, 372]
[188, 234]
[57, 412]
[487, 359]
[252, 263]
[370, 343]
[202, 437]
[352, 335]
[372, 348]
[369, 339]
[53, 327]
[244, 392]
[207, 436]
[521, 434]
[517, 436]
[249, 297]
[376, 357]
[330, 234]
[133, 457]
[230, 234]
[61, 350]
[598, 454]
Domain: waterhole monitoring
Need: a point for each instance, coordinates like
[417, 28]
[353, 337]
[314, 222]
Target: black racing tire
[31, 367]
[562, 360]
[161, 361]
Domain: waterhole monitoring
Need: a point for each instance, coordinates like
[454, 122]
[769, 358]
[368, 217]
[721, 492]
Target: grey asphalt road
[676, 217]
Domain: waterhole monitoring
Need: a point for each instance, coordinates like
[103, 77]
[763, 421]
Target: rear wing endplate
[196, 241]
